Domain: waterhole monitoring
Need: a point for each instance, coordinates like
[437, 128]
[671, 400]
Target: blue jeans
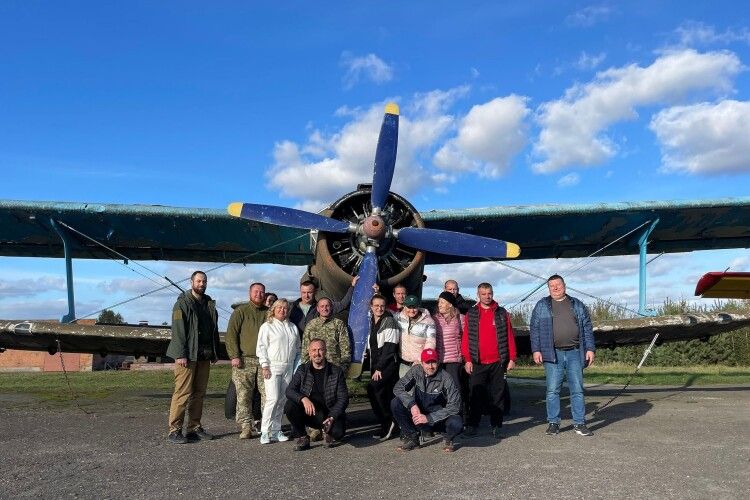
[568, 362]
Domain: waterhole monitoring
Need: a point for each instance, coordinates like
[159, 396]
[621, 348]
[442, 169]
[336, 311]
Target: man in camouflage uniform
[333, 331]
[241, 340]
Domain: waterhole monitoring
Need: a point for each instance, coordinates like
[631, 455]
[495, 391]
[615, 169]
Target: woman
[448, 330]
[383, 346]
[417, 333]
[278, 353]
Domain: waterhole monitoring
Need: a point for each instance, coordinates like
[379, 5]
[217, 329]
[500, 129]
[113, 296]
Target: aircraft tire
[230, 401]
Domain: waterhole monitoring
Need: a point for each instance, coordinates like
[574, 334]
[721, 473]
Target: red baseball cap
[429, 355]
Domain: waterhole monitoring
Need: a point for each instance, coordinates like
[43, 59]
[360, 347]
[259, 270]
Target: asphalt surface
[653, 442]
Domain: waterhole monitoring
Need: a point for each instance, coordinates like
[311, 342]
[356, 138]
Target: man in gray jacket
[427, 399]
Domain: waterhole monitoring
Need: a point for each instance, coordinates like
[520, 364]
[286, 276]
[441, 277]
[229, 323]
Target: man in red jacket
[489, 348]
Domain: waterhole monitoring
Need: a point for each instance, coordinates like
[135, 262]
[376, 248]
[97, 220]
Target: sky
[199, 104]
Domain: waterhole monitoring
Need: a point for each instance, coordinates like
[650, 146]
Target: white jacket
[278, 343]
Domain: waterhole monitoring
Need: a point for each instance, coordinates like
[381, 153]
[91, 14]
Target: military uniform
[241, 340]
[336, 336]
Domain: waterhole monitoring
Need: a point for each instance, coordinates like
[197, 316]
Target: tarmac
[652, 442]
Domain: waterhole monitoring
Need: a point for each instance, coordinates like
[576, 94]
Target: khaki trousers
[190, 385]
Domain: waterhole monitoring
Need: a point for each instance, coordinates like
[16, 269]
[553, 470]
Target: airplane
[371, 232]
[724, 285]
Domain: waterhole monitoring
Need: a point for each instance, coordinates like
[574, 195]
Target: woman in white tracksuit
[278, 354]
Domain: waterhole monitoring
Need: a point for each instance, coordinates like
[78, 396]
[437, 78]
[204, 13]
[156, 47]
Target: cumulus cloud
[695, 33]
[30, 286]
[590, 15]
[369, 67]
[704, 138]
[568, 180]
[488, 138]
[331, 164]
[572, 127]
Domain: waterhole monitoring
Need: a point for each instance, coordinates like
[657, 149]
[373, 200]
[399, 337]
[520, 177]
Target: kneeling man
[427, 399]
[317, 398]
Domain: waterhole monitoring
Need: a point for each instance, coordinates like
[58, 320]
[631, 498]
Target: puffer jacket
[448, 337]
[416, 335]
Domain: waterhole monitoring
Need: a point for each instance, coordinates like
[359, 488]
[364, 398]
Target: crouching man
[427, 399]
[317, 398]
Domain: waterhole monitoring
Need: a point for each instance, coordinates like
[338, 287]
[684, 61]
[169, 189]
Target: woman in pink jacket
[448, 331]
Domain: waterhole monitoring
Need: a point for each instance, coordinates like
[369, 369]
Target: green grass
[618, 373]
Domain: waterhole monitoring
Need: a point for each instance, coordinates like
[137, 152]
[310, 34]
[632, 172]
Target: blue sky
[198, 105]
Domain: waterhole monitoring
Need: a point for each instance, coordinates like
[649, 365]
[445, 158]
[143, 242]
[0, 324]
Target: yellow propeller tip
[235, 209]
[512, 250]
[392, 108]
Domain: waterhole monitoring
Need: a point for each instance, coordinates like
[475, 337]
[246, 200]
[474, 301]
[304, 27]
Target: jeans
[452, 426]
[568, 363]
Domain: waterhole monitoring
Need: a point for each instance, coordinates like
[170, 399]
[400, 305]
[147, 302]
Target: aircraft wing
[146, 232]
[724, 285]
[552, 231]
[152, 341]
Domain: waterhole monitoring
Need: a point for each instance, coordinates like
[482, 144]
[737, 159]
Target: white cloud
[695, 33]
[568, 180]
[705, 138]
[588, 61]
[369, 67]
[30, 286]
[474, 72]
[488, 138]
[590, 15]
[571, 127]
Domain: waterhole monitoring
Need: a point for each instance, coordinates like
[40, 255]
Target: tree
[110, 317]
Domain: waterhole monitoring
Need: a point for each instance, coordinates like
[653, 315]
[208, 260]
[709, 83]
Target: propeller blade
[359, 320]
[290, 217]
[453, 243]
[385, 156]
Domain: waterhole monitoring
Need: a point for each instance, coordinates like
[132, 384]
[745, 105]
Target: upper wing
[552, 231]
[146, 232]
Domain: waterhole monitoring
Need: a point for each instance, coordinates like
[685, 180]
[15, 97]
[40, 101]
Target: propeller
[385, 157]
[290, 217]
[359, 321]
[453, 243]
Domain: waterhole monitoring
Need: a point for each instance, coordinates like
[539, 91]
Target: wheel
[230, 401]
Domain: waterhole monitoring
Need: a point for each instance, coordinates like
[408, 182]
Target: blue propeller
[453, 243]
[385, 157]
[287, 217]
[359, 320]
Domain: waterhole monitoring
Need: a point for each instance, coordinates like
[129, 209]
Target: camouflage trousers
[248, 380]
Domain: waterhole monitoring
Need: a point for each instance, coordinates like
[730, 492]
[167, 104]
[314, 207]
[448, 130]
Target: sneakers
[553, 429]
[248, 432]
[302, 444]
[279, 436]
[582, 430]
[199, 434]
[409, 443]
[176, 437]
[265, 438]
[448, 446]
[496, 432]
[470, 431]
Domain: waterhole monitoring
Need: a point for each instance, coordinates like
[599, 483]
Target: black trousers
[380, 393]
[295, 412]
[452, 426]
[487, 393]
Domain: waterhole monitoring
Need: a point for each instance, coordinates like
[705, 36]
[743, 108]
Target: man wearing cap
[417, 333]
[562, 338]
[463, 305]
[427, 399]
[489, 349]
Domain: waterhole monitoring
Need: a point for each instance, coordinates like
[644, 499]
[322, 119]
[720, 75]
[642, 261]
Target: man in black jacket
[317, 397]
[304, 309]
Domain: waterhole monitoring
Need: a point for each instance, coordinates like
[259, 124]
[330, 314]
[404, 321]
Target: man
[462, 304]
[417, 333]
[241, 340]
[304, 308]
[317, 397]
[562, 338]
[399, 296]
[333, 331]
[489, 350]
[427, 399]
[195, 338]
[270, 299]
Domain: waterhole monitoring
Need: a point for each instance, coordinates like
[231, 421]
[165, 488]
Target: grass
[618, 374]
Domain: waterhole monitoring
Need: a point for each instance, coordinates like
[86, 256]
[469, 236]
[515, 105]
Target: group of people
[430, 372]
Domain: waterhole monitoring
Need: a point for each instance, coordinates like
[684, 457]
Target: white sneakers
[269, 437]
